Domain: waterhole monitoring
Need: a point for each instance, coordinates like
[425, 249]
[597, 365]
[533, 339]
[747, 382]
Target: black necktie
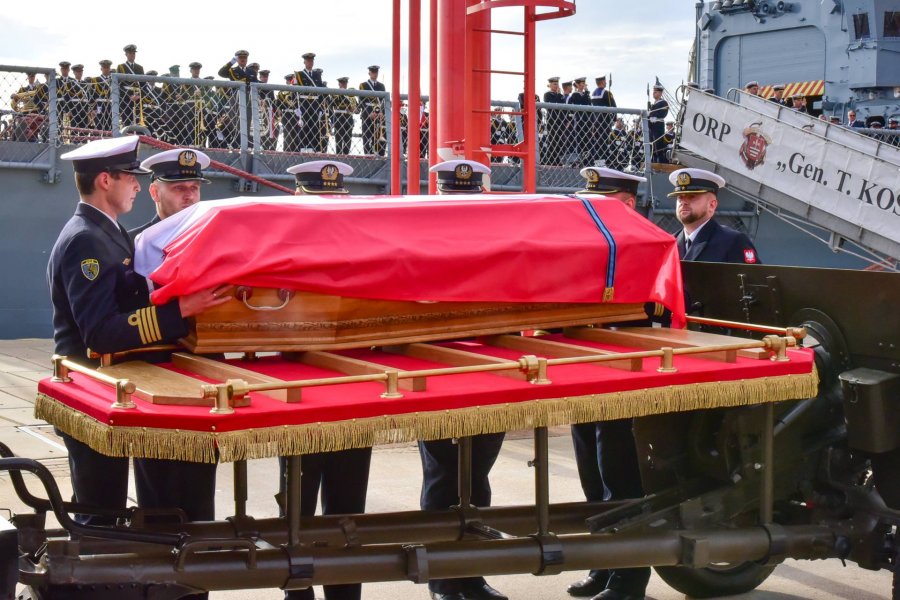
[687, 245]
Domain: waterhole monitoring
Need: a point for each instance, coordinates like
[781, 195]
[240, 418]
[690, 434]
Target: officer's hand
[196, 303]
[234, 59]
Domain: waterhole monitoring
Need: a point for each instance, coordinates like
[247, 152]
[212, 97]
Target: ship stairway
[799, 167]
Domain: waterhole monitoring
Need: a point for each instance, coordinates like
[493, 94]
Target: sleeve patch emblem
[90, 268]
[749, 256]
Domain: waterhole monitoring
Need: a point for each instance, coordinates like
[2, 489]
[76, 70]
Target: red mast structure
[460, 83]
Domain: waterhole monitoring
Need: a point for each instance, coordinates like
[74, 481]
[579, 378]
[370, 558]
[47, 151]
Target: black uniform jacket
[234, 72]
[133, 233]
[718, 243]
[99, 302]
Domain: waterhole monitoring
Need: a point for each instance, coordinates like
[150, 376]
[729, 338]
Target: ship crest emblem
[753, 150]
[329, 173]
[683, 179]
[187, 159]
[90, 268]
[463, 172]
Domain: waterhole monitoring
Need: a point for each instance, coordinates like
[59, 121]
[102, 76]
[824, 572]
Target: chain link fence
[890, 135]
[28, 117]
[296, 119]
[292, 124]
[190, 112]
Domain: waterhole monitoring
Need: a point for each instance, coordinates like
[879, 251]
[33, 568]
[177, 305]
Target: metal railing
[29, 126]
[265, 128]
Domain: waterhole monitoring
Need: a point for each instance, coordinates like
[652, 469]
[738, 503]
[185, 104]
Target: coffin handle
[244, 293]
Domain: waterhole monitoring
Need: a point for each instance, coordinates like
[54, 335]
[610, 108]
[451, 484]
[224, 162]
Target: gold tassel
[200, 446]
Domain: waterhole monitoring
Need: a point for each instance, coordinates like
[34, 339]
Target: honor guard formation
[191, 109]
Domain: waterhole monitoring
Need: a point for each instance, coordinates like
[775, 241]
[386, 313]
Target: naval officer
[130, 96]
[440, 458]
[703, 239]
[100, 303]
[605, 452]
[659, 109]
[175, 184]
[310, 105]
[602, 122]
[552, 149]
[370, 114]
[342, 477]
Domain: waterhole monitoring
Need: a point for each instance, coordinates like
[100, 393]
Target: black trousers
[607, 461]
[440, 487]
[97, 480]
[102, 481]
[343, 479]
[657, 137]
[342, 124]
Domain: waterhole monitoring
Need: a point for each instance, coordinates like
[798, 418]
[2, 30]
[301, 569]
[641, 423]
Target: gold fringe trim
[201, 446]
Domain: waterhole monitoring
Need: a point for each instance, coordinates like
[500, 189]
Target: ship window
[892, 24]
[861, 25]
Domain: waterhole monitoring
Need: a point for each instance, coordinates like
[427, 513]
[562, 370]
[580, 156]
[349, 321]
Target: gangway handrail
[880, 149]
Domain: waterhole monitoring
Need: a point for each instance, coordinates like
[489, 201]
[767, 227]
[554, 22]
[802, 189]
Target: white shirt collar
[693, 236]
[116, 223]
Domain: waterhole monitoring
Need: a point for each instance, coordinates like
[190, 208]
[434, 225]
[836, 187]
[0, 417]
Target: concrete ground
[395, 482]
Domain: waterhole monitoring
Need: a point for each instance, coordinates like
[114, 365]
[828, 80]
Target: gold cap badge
[187, 159]
[463, 172]
[329, 173]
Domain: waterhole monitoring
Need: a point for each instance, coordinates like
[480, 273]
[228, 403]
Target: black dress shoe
[483, 592]
[587, 587]
[450, 596]
[609, 594]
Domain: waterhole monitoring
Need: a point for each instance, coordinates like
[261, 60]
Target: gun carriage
[776, 440]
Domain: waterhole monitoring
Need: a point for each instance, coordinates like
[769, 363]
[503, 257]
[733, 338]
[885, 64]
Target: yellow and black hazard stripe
[146, 322]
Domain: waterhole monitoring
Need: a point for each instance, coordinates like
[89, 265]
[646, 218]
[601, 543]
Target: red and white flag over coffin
[479, 248]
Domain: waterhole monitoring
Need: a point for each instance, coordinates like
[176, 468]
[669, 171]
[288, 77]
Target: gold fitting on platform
[124, 390]
[528, 364]
[249, 357]
[796, 333]
[778, 345]
[237, 389]
[541, 378]
[392, 386]
[106, 360]
[667, 361]
[60, 371]
[209, 392]
[223, 405]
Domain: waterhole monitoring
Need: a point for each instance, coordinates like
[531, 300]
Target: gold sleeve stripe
[145, 325]
[155, 321]
[134, 320]
[148, 317]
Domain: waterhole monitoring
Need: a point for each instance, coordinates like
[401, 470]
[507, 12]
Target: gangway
[824, 173]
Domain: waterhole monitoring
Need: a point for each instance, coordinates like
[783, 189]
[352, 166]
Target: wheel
[717, 580]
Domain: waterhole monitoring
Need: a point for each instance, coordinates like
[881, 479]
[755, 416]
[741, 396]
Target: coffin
[266, 319]
[331, 273]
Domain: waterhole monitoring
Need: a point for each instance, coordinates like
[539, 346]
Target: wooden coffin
[263, 319]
